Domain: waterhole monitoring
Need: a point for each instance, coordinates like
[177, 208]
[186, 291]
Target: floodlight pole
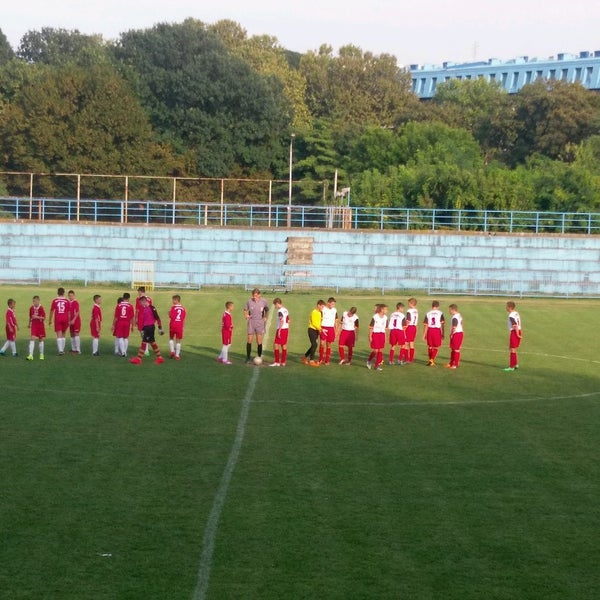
[289, 210]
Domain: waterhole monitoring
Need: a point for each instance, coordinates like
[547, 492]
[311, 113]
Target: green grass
[412, 483]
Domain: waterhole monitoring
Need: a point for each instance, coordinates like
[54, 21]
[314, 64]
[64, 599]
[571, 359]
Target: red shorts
[456, 340]
[38, 330]
[327, 334]
[75, 329]
[61, 326]
[122, 330]
[94, 331]
[434, 337]
[226, 336]
[347, 338]
[176, 332]
[281, 337]
[515, 340]
[377, 341]
[397, 337]
[410, 333]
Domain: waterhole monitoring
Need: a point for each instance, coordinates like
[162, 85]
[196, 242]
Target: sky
[414, 31]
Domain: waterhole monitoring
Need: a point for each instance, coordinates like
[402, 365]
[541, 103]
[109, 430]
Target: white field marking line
[544, 354]
[212, 524]
[437, 404]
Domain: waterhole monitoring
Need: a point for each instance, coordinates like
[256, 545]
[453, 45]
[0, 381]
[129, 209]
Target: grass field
[194, 479]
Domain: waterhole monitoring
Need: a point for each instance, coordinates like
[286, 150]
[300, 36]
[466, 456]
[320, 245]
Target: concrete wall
[196, 256]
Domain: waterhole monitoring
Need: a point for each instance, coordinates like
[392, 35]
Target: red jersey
[59, 309]
[176, 320]
[37, 315]
[123, 319]
[74, 315]
[96, 320]
[226, 328]
[11, 325]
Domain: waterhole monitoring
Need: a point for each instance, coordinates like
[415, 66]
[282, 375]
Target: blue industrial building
[512, 74]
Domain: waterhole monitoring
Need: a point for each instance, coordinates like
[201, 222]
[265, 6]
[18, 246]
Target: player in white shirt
[348, 335]
[433, 331]
[281, 335]
[516, 333]
[377, 329]
[412, 321]
[396, 325]
[329, 326]
[456, 336]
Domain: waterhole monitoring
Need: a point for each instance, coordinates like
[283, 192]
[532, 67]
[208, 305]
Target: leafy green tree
[482, 107]
[316, 163]
[75, 120]
[58, 47]
[203, 99]
[6, 51]
[265, 56]
[553, 117]
[356, 87]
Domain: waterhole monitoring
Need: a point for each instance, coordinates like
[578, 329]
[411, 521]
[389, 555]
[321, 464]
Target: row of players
[65, 316]
[324, 326]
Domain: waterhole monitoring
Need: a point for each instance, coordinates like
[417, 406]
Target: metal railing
[221, 214]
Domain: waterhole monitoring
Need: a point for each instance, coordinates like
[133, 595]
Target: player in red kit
[59, 313]
[11, 329]
[37, 316]
[74, 323]
[226, 333]
[123, 325]
[176, 322]
[138, 310]
[96, 324]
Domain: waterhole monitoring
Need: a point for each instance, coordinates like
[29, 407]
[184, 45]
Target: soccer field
[194, 479]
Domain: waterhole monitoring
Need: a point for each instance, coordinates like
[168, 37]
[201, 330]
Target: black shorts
[148, 333]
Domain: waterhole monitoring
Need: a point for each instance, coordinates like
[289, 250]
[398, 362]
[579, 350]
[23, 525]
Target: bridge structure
[583, 68]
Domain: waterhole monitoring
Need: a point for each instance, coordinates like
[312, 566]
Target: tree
[75, 120]
[356, 87]
[553, 117]
[6, 51]
[265, 56]
[482, 107]
[204, 99]
[58, 47]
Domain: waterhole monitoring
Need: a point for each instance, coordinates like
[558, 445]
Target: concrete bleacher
[289, 260]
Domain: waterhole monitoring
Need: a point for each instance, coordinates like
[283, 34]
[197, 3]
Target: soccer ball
[257, 360]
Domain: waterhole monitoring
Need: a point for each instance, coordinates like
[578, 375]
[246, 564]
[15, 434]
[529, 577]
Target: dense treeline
[199, 100]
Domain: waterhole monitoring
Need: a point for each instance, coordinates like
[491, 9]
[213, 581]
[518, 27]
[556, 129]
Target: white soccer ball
[257, 360]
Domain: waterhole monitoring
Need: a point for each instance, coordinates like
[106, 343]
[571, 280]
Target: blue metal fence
[280, 216]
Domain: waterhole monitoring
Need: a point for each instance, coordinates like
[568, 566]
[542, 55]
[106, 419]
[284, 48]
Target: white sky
[414, 31]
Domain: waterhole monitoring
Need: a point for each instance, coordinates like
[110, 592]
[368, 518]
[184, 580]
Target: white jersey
[457, 323]
[283, 318]
[397, 319]
[412, 316]
[379, 323]
[349, 322]
[329, 316]
[514, 317]
[434, 318]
